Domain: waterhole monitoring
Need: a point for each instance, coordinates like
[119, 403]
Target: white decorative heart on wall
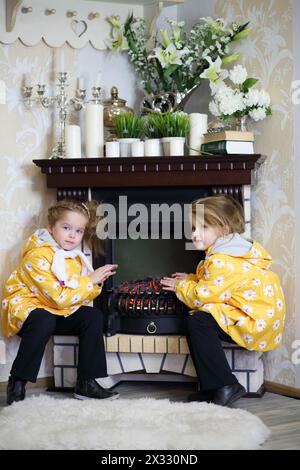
[79, 27]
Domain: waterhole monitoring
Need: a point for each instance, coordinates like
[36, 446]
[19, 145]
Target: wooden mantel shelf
[149, 171]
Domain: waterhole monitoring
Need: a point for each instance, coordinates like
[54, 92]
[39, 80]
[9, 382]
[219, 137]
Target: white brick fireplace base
[165, 358]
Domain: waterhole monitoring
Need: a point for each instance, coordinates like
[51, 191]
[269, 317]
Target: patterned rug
[43, 422]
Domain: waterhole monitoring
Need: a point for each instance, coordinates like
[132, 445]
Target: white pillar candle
[94, 135]
[112, 149]
[198, 127]
[2, 92]
[73, 142]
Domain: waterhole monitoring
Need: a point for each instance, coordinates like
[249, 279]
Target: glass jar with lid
[114, 107]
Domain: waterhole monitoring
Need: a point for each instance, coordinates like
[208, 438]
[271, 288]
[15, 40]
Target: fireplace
[152, 356]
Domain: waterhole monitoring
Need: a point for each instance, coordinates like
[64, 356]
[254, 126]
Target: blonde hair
[223, 212]
[89, 210]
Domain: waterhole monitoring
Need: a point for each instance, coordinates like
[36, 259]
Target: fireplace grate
[143, 307]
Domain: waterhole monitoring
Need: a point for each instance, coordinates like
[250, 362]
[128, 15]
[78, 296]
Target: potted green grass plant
[129, 129]
[174, 128]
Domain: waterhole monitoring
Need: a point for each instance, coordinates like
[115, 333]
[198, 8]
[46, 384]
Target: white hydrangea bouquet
[238, 100]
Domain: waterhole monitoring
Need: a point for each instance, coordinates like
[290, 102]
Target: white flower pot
[153, 148]
[176, 146]
[125, 146]
[112, 149]
[138, 149]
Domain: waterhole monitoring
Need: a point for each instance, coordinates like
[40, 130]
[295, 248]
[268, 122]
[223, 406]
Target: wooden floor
[281, 414]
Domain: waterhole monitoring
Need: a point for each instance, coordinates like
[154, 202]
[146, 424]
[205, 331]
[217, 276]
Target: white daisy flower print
[249, 294]
[56, 285]
[279, 304]
[181, 284]
[21, 285]
[28, 266]
[255, 253]
[225, 320]
[230, 266]
[75, 299]
[44, 265]
[240, 321]
[270, 312]
[276, 325]
[204, 290]
[39, 278]
[225, 295]
[247, 309]
[219, 281]
[16, 299]
[206, 274]
[197, 303]
[248, 338]
[10, 289]
[89, 286]
[256, 282]
[262, 345]
[62, 297]
[261, 325]
[218, 263]
[34, 290]
[268, 290]
[27, 312]
[22, 272]
[12, 275]
[246, 267]
[4, 303]
[278, 338]
[207, 306]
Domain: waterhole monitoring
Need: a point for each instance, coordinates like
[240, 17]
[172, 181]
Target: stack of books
[226, 142]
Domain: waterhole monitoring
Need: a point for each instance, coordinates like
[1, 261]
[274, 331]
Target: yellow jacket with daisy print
[34, 285]
[235, 285]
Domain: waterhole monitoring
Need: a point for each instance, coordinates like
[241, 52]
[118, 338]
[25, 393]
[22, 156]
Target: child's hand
[101, 274]
[168, 283]
[179, 275]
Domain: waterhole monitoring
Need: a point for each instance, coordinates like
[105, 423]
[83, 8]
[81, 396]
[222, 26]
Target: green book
[225, 147]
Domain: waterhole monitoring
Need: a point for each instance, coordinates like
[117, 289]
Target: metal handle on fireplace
[151, 328]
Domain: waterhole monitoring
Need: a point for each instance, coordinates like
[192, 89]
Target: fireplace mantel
[185, 171]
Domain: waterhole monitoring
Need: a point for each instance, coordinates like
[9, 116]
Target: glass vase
[240, 123]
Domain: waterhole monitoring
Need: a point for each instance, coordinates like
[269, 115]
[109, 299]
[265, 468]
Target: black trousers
[86, 322]
[204, 337]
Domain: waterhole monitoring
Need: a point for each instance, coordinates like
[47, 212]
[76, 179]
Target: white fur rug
[43, 422]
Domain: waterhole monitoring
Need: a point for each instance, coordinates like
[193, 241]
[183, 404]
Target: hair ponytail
[90, 235]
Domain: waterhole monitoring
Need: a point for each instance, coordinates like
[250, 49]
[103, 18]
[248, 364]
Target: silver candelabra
[63, 102]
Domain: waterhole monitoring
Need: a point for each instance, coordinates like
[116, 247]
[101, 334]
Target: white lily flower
[169, 56]
[214, 72]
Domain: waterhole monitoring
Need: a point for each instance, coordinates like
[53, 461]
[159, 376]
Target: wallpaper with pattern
[25, 135]
[268, 55]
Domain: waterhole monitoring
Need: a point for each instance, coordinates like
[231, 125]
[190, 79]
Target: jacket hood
[237, 246]
[40, 237]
